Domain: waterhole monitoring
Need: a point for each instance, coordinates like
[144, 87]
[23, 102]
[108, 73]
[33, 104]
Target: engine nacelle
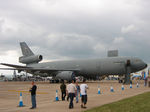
[65, 75]
[30, 59]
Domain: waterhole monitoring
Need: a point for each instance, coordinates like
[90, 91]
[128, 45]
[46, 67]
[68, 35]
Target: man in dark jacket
[33, 95]
[63, 90]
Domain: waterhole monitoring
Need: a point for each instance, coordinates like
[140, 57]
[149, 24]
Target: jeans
[33, 100]
[77, 98]
[71, 96]
[145, 83]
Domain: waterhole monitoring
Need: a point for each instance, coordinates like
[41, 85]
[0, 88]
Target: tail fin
[28, 56]
[26, 51]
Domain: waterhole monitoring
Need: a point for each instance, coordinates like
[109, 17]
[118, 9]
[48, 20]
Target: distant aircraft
[135, 75]
[6, 77]
[67, 70]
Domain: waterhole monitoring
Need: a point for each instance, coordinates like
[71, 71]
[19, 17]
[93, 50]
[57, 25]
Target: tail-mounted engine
[30, 59]
[66, 75]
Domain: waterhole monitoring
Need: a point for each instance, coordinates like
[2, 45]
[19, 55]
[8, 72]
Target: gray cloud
[69, 29]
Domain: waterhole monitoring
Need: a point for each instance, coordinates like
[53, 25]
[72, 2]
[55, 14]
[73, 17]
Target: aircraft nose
[144, 65]
[139, 65]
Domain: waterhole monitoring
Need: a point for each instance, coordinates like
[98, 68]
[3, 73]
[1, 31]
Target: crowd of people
[73, 90]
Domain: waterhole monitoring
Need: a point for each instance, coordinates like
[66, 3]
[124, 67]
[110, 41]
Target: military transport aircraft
[68, 69]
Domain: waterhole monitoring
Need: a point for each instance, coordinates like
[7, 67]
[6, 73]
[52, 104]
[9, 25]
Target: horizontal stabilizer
[33, 69]
[12, 65]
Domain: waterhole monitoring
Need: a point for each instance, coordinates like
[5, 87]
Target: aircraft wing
[33, 69]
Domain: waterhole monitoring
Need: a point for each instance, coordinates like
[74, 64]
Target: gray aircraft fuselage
[102, 66]
[67, 70]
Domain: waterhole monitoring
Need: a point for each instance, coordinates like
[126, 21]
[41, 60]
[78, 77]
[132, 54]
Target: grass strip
[139, 103]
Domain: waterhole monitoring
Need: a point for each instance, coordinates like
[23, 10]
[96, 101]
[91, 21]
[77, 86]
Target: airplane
[7, 77]
[136, 76]
[69, 69]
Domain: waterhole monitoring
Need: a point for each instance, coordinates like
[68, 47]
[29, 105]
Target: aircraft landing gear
[128, 71]
[127, 79]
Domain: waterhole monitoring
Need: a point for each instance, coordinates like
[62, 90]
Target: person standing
[63, 90]
[78, 91]
[33, 95]
[83, 91]
[71, 92]
[145, 81]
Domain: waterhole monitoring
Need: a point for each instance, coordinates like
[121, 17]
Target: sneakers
[70, 107]
[32, 107]
[83, 106]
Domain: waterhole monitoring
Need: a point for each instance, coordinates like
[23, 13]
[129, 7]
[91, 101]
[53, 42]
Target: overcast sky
[72, 29]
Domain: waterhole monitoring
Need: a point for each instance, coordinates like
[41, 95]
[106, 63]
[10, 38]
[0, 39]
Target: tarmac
[46, 93]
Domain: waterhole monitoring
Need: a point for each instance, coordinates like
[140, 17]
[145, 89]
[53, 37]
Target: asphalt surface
[46, 93]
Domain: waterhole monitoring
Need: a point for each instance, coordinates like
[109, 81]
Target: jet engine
[128, 63]
[65, 75]
[30, 59]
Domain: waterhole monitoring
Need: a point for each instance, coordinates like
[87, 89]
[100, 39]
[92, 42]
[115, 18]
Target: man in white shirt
[83, 90]
[71, 92]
